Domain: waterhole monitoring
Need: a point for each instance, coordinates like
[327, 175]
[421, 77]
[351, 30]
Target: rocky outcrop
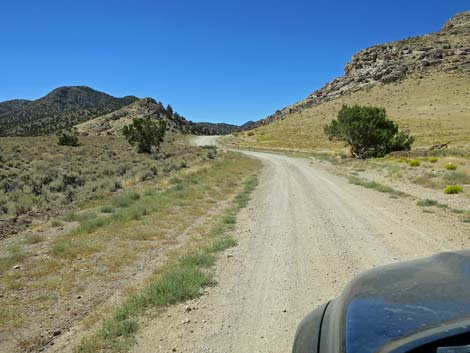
[445, 51]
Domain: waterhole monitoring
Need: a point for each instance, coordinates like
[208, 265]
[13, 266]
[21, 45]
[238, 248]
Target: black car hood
[389, 303]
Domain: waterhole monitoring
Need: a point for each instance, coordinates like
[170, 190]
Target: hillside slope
[13, 105]
[61, 108]
[424, 82]
[112, 123]
[435, 108]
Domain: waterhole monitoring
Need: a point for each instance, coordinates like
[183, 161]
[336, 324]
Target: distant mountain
[13, 105]
[63, 108]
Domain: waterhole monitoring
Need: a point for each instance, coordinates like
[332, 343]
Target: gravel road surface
[304, 235]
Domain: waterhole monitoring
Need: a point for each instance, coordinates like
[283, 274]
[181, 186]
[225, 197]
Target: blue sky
[216, 60]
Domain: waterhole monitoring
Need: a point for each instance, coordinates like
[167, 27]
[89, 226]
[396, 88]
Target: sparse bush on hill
[40, 177]
[368, 131]
[414, 163]
[67, 139]
[145, 133]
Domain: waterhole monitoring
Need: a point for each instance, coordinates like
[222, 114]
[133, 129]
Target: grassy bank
[183, 280]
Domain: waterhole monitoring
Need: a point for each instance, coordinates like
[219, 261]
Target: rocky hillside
[63, 108]
[13, 105]
[214, 128]
[447, 50]
[112, 123]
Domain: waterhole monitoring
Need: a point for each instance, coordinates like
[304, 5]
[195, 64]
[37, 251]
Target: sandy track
[304, 235]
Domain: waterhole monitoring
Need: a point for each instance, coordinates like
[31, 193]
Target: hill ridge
[447, 50]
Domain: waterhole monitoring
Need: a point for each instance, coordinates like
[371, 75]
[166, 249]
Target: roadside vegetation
[377, 186]
[426, 178]
[166, 229]
[182, 280]
[40, 178]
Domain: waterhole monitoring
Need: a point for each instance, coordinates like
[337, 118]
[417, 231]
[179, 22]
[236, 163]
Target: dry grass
[181, 280]
[434, 108]
[106, 244]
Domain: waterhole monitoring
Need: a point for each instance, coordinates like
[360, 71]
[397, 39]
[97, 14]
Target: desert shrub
[433, 159]
[414, 163]
[72, 179]
[453, 189]
[368, 131]
[145, 133]
[23, 204]
[107, 209]
[450, 166]
[67, 139]
[3, 203]
[427, 203]
[126, 199]
[251, 133]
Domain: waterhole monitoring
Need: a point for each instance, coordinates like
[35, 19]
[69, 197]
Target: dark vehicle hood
[389, 303]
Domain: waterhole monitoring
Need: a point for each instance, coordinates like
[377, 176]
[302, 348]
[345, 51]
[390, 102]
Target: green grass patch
[125, 199]
[34, 239]
[16, 255]
[453, 189]
[427, 203]
[107, 209]
[433, 159]
[430, 203]
[89, 225]
[230, 219]
[64, 248]
[57, 223]
[414, 163]
[80, 217]
[455, 178]
[376, 186]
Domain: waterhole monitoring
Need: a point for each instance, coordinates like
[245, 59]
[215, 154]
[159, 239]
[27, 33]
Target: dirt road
[304, 235]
